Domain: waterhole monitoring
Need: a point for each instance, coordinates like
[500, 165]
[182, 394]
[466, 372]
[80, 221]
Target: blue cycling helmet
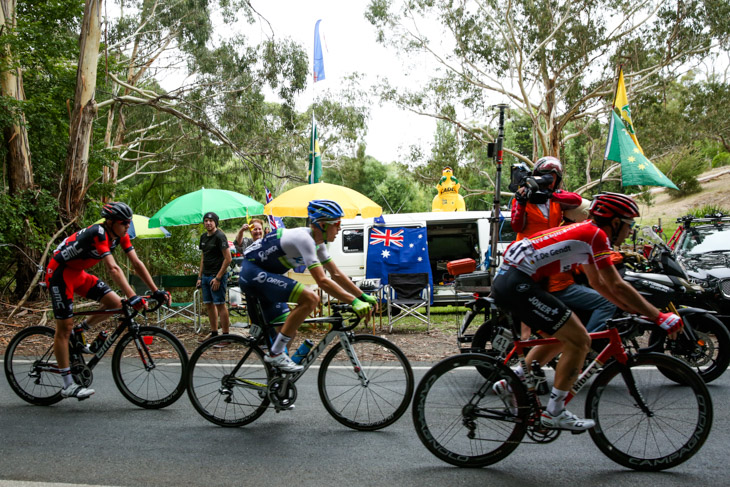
[324, 210]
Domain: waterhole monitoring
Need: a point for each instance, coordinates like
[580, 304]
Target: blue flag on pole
[318, 58]
[397, 250]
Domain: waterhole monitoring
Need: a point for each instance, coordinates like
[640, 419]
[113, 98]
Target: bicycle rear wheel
[366, 406]
[28, 357]
[225, 388]
[458, 417]
[675, 424]
[150, 372]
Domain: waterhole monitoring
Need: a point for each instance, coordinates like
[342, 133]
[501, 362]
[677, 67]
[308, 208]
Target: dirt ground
[417, 345]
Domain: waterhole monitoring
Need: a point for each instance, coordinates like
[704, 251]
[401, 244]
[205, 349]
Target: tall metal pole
[495, 217]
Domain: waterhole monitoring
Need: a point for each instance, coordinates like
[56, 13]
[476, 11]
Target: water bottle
[98, 341]
[78, 336]
[541, 387]
[302, 351]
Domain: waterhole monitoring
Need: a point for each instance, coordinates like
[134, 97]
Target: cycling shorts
[63, 282]
[518, 293]
[273, 290]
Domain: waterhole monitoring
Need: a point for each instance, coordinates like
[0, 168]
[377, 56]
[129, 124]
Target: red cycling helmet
[609, 205]
[548, 165]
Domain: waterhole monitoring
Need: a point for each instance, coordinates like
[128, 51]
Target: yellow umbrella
[294, 202]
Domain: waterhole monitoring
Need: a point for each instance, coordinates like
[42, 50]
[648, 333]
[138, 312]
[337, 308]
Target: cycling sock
[556, 404]
[214, 333]
[279, 344]
[68, 379]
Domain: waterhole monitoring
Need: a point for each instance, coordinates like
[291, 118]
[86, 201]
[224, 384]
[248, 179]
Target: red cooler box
[461, 266]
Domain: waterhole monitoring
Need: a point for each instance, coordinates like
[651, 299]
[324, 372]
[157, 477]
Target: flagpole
[610, 125]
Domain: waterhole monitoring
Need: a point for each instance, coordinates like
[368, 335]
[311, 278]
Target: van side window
[353, 241]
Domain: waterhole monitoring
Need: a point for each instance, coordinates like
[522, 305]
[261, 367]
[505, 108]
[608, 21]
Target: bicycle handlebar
[130, 312]
[346, 308]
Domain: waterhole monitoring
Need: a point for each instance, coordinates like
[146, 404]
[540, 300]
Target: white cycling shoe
[283, 363]
[77, 391]
[565, 421]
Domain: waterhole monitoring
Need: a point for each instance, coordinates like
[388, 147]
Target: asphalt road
[108, 441]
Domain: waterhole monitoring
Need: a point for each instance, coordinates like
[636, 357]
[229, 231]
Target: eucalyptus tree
[553, 61]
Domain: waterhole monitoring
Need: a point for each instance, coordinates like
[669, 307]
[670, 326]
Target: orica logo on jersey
[264, 254]
[262, 278]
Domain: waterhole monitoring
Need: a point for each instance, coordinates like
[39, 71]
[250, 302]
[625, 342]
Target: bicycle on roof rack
[148, 364]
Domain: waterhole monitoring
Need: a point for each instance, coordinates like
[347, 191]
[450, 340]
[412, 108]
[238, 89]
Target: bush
[721, 159]
[683, 168]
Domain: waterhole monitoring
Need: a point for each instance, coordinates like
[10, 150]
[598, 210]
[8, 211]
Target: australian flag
[274, 221]
[397, 250]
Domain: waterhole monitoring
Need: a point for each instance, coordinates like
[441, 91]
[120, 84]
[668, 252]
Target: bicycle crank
[282, 393]
[82, 374]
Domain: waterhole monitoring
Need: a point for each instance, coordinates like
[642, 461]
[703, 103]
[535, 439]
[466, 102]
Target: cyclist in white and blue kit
[267, 259]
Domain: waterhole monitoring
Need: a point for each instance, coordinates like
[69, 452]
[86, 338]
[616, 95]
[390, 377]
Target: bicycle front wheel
[227, 381]
[149, 367]
[461, 420]
[29, 359]
[655, 425]
[371, 394]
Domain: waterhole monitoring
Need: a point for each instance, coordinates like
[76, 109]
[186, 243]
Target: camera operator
[539, 203]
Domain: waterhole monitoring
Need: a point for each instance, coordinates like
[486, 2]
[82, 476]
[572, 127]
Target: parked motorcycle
[662, 280]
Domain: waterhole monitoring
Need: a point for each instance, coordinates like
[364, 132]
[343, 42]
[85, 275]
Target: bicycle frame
[315, 351]
[614, 349]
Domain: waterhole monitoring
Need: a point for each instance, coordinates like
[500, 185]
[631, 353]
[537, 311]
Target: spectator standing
[256, 227]
[213, 273]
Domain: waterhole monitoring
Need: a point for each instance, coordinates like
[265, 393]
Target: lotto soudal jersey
[285, 249]
[87, 247]
[559, 250]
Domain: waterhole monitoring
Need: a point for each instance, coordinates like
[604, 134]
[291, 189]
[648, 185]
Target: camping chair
[406, 294]
[189, 310]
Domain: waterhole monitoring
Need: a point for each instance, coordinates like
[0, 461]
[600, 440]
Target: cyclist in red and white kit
[528, 262]
[66, 274]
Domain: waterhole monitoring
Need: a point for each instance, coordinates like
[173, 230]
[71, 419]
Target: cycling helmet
[116, 211]
[548, 165]
[324, 210]
[609, 205]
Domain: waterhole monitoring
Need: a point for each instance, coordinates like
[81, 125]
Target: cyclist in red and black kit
[66, 274]
[528, 262]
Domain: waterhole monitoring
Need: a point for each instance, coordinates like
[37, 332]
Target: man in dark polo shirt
[213, 274]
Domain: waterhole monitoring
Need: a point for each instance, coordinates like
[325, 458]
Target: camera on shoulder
[537, 188]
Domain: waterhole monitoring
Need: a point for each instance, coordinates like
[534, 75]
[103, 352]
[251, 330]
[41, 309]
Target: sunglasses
[630, 223]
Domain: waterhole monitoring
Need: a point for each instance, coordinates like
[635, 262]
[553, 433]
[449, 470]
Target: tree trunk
[74, 185]
[20, 169]
[18, 160]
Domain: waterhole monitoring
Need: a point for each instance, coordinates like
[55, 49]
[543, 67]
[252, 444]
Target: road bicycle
[365, 382]
[644, 420]
[148, 364]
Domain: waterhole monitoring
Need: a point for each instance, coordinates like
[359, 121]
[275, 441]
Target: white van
[451, 236]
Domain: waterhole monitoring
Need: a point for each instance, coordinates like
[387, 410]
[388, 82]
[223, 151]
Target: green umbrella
[189, 209]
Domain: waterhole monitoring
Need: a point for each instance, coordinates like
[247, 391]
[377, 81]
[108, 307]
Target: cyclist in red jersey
[517, 287]
[66, 274]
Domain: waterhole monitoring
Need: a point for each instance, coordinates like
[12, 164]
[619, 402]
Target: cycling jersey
[85, 248]
[266, 259]
[528, 261]
[285, 249]
[559, 250]
[66, 273]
